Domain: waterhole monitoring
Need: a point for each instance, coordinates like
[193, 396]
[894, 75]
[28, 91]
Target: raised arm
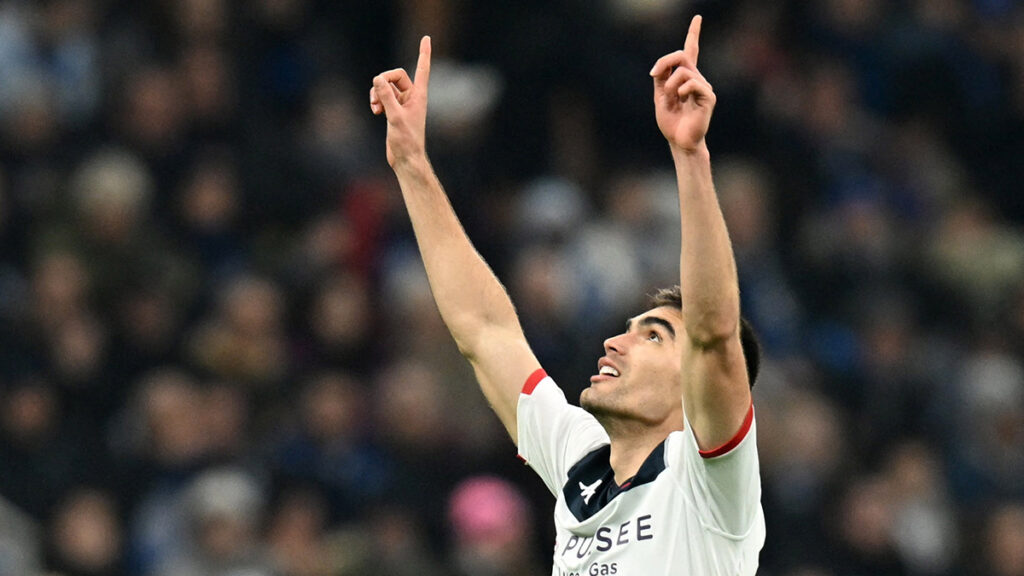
[472, 301]
[716, 390]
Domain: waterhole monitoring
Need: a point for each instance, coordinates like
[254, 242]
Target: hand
[683, 99]
[404, 103]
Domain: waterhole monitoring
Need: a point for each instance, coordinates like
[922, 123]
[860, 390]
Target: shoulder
[744, 440]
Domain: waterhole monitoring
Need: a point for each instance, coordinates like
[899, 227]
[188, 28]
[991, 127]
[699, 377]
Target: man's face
[639, 377]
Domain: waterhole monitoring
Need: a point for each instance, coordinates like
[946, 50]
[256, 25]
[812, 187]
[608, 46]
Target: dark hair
[748, 339]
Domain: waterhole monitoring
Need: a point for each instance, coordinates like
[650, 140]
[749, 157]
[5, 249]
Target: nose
[616, 344]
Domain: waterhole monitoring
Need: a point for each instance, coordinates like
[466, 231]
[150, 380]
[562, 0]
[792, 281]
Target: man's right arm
[471, 300]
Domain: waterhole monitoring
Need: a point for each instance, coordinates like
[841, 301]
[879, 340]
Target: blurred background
[219, 355]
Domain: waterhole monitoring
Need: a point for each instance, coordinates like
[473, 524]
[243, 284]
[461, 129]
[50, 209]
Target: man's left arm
[716, 389]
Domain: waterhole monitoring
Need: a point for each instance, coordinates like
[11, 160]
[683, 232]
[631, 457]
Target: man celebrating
[658, 472]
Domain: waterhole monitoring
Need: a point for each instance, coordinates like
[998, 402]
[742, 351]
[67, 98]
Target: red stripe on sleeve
[534, 379]
[732, 443]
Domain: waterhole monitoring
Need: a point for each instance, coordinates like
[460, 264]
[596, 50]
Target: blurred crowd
[219, 354]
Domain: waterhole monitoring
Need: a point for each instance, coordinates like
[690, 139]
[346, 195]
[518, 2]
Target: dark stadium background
[218, 354]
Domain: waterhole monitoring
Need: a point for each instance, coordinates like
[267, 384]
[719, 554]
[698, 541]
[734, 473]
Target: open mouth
[605, 371]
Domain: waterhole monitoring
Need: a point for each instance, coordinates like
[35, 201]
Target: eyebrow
[654, 321]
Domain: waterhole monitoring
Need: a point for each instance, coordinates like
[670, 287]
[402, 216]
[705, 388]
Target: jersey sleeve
[724, 483]
[553, 434]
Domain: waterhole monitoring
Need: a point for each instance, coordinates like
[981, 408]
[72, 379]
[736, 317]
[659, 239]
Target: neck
[629, 449]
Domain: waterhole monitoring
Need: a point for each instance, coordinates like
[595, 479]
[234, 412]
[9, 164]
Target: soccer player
[657, 473]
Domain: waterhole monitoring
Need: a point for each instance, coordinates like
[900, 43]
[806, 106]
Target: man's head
[640, 377]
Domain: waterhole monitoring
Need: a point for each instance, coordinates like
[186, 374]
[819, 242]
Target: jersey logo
[586, 492]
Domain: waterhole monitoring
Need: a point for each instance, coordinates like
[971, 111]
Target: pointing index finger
[691, 47]
[423, 64]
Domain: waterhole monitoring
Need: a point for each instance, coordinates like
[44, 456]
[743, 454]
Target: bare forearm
[708, 282]
[468, 295]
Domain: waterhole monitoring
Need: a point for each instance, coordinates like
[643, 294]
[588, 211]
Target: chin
[585, 399]
[589, 404]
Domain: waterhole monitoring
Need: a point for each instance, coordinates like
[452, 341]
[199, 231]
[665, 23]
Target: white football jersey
[686, 512]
